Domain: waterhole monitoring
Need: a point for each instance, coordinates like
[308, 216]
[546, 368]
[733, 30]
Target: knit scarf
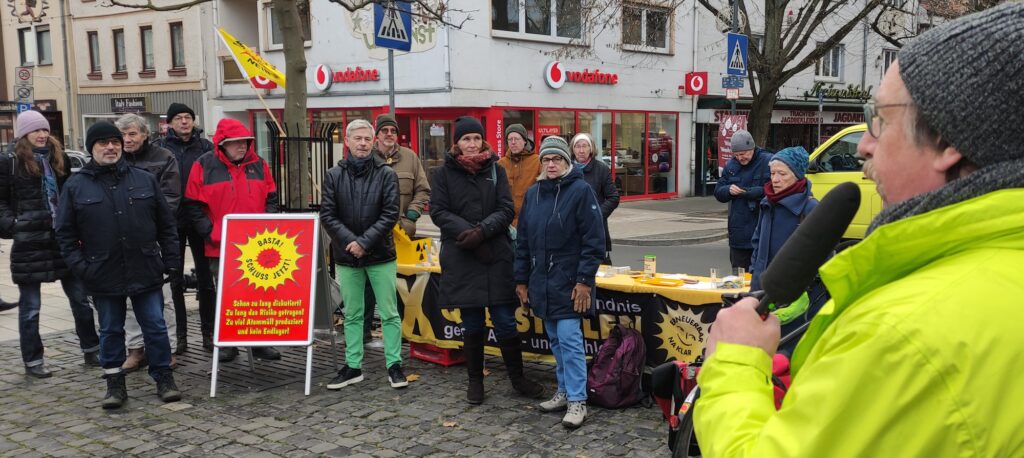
[49, 181]
[794, 188]
[358, 165]
[1002, 175]
[473, 163]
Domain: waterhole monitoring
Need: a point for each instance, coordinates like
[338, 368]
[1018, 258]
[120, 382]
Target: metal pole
[391, 81]
[735, 29]
[71, 140]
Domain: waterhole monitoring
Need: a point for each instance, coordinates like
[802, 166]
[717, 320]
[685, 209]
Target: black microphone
[797, 262]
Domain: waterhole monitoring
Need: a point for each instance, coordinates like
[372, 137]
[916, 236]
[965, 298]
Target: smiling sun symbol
[268, 259]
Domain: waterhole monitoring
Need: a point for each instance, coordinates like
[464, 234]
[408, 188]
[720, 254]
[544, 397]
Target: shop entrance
[431, 133]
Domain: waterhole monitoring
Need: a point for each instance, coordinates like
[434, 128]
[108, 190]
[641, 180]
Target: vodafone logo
[261, 82]
[554, 75]
[697, 83]
[323, 77]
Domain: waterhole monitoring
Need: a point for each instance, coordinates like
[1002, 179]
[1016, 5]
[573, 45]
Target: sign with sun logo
[267, 285]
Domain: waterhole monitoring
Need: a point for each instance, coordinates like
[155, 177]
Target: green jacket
[920, 352]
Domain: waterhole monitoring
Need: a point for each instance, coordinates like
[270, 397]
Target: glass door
[435, 139]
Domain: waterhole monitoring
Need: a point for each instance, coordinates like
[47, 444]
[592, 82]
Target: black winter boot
[513, 356]
[117, 393]
[473, 348]
[165, 387]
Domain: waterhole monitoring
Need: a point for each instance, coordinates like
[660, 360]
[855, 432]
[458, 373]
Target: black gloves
[469, 239]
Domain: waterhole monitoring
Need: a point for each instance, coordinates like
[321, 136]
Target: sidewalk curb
[672, 242]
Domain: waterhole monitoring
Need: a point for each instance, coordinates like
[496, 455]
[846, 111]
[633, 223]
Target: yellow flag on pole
[249, 61]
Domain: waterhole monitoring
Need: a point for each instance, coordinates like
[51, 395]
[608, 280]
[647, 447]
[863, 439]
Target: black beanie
[100, 131]
[467, 125]
[383, 121]
[178, 108]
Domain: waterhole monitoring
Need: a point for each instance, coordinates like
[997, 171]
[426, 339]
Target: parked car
[78, 159]
[836, 161]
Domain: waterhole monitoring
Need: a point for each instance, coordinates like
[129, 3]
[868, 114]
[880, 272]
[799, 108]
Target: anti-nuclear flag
[249, 61]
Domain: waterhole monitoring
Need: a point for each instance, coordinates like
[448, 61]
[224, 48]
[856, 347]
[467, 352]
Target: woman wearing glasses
[560, 243]
[472, 205]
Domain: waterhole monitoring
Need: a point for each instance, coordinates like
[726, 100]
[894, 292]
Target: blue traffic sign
[22, 107]
[736, 54]
[392, 25]
[732, 82]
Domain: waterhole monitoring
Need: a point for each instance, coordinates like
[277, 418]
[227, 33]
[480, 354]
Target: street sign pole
[391, 81]
[392, 29]
[821, 106]
[735, 29]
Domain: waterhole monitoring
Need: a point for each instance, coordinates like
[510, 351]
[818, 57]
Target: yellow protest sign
[249, 61]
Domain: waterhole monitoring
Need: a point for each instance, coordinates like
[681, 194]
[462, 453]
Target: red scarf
[473, 163]
[794, 188]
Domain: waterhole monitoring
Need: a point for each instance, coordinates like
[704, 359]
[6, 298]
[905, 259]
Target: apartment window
[177, 46]
[120, 65]
[94, 53]
[276, 36]
[757, 42]
[645, 27]
[888, 57]
[25, 45]
[146, 37]
[830, 66]
[44, 54]
[557, 19]
[232, 74]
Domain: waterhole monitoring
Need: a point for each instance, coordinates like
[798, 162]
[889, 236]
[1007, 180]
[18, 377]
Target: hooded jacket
[116, 231]
[917, 353]
[776, 222]
[560, 242]
[361, 207]
[35, 255]
[217, 187]
[743, 208]
[186, 153]
[413, 187]
[522, 171]
[460, 201]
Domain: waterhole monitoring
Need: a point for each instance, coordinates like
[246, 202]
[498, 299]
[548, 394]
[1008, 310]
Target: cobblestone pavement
[61, 416]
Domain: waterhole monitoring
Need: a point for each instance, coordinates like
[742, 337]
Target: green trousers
[382, 279]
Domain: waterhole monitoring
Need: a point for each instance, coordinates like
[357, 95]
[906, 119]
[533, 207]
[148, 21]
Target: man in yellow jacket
[919, 351]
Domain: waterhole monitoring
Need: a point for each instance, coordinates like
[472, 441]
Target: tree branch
[149, 5]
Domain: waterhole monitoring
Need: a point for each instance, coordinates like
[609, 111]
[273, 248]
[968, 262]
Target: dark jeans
[29, 305]
[205, 293]
[740, 258]
[148, 309]
[503, 318]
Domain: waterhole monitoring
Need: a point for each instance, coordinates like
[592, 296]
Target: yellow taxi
[836, 161]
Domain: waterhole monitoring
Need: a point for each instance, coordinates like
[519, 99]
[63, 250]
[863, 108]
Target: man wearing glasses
[186, 141]
[521, 165]
[918, 352]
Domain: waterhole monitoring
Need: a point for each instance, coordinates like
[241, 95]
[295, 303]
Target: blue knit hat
[795, 157]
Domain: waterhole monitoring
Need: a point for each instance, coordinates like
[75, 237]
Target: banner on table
[267, 280]
[671, 330]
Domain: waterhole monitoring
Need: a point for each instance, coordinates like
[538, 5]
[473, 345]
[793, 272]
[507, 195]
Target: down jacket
[459, 201]
[116, 231]
[560, 243]
[361, 208]
[775, 224]
[35, 255]
[743, 208]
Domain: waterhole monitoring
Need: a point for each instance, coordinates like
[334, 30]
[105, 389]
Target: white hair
[357, 124]
[130, 120]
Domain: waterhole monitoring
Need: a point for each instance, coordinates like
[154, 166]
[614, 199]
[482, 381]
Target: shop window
[629, 145]
[645, 28]
[44, 53]
[830, 66]
[146, 38]
[888, 58]
[555, 20]
[177, 46]
[661, 153]
[599, 126]
[560, 123]
[275, 38]
[25, 46]
[120, 63]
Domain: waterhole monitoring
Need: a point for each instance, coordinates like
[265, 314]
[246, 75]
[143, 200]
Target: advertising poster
[267, 281]
[727, 126]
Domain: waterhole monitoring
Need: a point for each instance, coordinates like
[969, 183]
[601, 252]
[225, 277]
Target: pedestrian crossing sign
[736, 54]
[392, 25]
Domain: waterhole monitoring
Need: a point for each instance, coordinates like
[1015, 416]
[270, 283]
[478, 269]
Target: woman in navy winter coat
[560, 244]
[787, 202]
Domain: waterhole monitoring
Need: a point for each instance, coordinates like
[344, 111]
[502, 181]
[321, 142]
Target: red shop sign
[544, 131]
[323, 76]
[556, 76]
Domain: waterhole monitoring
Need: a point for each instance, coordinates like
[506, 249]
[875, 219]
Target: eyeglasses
[108, 141]
[389, 130]
[552, 159]
[874, 120]
[515, 140]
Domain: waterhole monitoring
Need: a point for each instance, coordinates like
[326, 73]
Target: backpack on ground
[615, 377]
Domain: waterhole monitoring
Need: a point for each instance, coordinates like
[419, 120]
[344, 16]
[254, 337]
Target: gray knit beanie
[967, 79]
[555, 145]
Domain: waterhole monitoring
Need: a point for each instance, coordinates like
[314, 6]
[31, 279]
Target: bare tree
[288, 15]
[894, 20]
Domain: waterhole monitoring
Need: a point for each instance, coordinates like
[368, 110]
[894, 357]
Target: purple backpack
[615, 376]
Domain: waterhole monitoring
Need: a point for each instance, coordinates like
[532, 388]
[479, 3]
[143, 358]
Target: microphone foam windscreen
[797, 262]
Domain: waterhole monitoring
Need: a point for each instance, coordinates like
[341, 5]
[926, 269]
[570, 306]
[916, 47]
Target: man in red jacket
[229, 179]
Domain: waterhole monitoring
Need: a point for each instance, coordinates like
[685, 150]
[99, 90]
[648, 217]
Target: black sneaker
[346, 376]
[117, 393]
[266, 353]
[92, 358]
[397, 377]
[165, 386]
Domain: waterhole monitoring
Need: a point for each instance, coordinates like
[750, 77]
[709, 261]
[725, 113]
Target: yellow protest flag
[249, 61]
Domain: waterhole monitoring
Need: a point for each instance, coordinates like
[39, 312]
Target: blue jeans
[566, 338]
[29, 305]
[148, 308]
[503, 318]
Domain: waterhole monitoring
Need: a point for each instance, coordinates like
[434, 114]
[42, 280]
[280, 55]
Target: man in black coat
[117, 233]
[187, 143]
[359, 210]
